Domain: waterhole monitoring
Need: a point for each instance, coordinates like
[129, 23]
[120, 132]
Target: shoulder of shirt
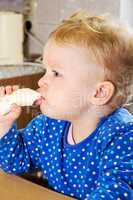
[118, 123]
[123, 118]
[120, 119]
[43, 119]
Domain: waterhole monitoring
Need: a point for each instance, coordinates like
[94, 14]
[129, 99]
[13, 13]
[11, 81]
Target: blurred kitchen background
[24, 28]
[42, 16]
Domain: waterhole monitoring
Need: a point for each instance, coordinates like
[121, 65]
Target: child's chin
[52, 114]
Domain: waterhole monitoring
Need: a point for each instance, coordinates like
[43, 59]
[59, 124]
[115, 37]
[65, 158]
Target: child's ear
[104, 91]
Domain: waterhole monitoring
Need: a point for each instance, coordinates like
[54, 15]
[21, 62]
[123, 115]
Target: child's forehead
[67, 57]
[58, 52]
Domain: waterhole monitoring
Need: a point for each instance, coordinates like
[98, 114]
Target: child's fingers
[15, 87]
[15, 112]
[5, 90]
[2, 91]
[12, 115]
[8, 89]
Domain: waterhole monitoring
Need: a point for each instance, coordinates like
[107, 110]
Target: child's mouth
[39, 101]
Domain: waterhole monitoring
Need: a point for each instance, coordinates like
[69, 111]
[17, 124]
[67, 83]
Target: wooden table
[15, 188]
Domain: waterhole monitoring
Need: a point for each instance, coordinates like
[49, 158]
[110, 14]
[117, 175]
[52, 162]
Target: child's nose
[42, 82]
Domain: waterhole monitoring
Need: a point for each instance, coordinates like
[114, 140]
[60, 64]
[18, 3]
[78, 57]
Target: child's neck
[85, 124]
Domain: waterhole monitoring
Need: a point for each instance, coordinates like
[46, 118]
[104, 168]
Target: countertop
[13, 187]
[20, 70]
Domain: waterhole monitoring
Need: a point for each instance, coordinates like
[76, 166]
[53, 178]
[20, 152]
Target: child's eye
[56, 73]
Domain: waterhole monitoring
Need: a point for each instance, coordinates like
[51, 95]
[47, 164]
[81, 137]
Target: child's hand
[8, 89]
[7, 120]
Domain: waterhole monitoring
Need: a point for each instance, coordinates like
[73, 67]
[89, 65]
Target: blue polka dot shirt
[99, 167]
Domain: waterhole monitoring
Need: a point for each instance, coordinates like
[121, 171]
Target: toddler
[83, 140]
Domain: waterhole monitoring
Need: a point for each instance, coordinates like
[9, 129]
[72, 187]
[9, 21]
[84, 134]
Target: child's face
[69, 81]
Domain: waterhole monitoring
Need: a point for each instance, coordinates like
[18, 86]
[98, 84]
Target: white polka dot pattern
[99, 167]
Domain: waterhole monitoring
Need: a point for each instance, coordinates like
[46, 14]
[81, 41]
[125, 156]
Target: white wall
[126, 11]
[13, 5]
[49, 13]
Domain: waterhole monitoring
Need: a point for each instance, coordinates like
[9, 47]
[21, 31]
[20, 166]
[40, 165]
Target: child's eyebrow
[53, 66]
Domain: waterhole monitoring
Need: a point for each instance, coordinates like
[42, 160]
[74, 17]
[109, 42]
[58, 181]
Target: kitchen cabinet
[29, 81]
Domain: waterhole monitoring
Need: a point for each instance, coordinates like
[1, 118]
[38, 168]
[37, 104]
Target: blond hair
[111, 44]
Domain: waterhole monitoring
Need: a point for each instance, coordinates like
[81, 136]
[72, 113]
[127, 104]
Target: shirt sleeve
[116, 170]
[19, 150]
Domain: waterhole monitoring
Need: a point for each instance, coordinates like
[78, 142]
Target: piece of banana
[21, 97]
